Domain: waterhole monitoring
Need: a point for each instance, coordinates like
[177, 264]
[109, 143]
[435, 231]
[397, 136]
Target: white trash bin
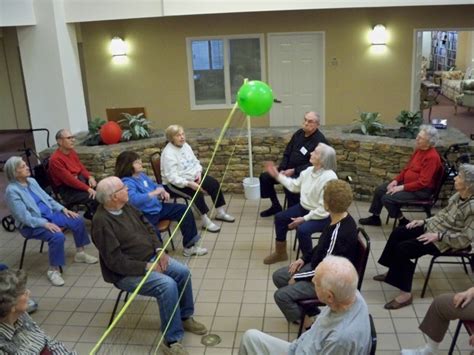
[251, 188]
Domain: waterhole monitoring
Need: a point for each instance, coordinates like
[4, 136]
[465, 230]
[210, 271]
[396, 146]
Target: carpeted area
[464, 120]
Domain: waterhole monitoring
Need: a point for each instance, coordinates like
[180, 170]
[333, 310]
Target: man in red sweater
[415, 182]
[69, 176]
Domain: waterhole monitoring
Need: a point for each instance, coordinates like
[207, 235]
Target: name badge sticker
[303, 150]
[145, 183]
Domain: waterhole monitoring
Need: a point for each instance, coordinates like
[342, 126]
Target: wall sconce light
[379, 35]
[118, 47]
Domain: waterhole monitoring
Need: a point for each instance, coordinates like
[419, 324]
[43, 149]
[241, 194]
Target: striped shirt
[455, 223]
[336, 239]
[25, 337]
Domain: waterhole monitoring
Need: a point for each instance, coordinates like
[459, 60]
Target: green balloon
[255, 98]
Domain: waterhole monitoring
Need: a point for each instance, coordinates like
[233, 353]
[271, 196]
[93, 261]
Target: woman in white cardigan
[182, 173]
[308, 216]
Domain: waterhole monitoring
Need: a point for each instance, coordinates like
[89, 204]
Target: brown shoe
[280, 254]
[380, 278]
[393, 304]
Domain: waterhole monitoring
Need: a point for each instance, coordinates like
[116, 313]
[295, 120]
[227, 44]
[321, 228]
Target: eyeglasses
[309, 121]
[124, 187]
[69, 137]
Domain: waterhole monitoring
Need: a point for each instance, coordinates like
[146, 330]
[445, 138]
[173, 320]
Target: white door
[296, 73]
[416, 70]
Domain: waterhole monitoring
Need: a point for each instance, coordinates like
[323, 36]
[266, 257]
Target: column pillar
[52, 72]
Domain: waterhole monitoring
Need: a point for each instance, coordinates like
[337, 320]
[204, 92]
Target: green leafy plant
[134, 126]
[370, 123]
[93, 137]
[411, 122]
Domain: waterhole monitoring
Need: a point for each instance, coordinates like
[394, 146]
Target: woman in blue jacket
[38, 216]
[147, 196]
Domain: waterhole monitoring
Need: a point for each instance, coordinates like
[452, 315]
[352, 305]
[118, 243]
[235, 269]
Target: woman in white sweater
[182, 172]
[308, 216]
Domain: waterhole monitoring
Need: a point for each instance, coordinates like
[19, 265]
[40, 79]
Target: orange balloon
[110, 133]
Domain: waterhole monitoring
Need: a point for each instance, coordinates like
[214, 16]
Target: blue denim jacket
[23, 207]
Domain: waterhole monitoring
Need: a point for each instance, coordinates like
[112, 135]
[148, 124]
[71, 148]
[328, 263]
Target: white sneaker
[211, 227]
[225, 217]
[424, 350]
[55, 277]
[194, 250]
[82, 257]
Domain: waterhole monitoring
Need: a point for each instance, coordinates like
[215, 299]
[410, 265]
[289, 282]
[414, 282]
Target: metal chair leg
[116, 305]
[23, 254]
[42, 245]
[169, 234]
[455, 338]
[428, 276]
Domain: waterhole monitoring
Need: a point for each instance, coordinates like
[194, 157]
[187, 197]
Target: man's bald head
[338, 276]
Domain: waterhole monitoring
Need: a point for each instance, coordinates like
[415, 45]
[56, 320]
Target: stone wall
[369, 160]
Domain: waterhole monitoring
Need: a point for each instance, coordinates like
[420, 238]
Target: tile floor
[232, 288]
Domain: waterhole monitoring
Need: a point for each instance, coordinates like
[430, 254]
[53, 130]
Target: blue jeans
[166, 288]
[174, 212]
[303, 231]
[56, 240]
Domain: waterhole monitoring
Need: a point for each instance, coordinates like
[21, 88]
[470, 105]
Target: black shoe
[371, 221]
[271, 211]
[402, 222]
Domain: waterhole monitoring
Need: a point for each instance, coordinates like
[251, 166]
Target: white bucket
[252, 188]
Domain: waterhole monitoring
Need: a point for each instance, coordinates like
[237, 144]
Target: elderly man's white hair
[106, 188]
[338, 275]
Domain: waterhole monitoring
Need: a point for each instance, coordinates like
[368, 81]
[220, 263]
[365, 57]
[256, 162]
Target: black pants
[211, 186]
[267, 190]
[72, 197]
[401, 247]
[392, 202]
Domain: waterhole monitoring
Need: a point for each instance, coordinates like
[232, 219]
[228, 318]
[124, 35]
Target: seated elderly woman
[146, 195]
[415, 182]
[338, 238]
[450, 228]
[443, 309]
[182, 174]
[308, 216]
[19, 334]
[38, 216]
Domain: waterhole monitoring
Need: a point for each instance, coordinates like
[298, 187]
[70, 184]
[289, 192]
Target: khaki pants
[441, 312]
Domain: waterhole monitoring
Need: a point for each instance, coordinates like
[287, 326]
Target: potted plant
[369, 123]
[93, 137]
[134, 127]
[411, 122]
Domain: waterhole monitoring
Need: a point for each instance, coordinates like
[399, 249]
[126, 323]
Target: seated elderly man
[295, 160]
[69, 176]
[343, 327]
[451, 228]
[416, 181]
[128, 247]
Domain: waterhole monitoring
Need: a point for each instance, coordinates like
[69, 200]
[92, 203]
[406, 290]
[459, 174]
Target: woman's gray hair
[106, 188]
[10, 168]
[433, 135]
[467, 172]
[12, 285]
[328, 157]
[172, 131]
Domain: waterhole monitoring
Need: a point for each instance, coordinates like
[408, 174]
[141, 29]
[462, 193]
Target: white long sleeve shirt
[179, 165]
[310, 184]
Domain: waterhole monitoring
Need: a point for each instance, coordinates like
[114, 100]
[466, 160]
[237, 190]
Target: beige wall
[156, 75]
[465, 52]
[13, 106]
